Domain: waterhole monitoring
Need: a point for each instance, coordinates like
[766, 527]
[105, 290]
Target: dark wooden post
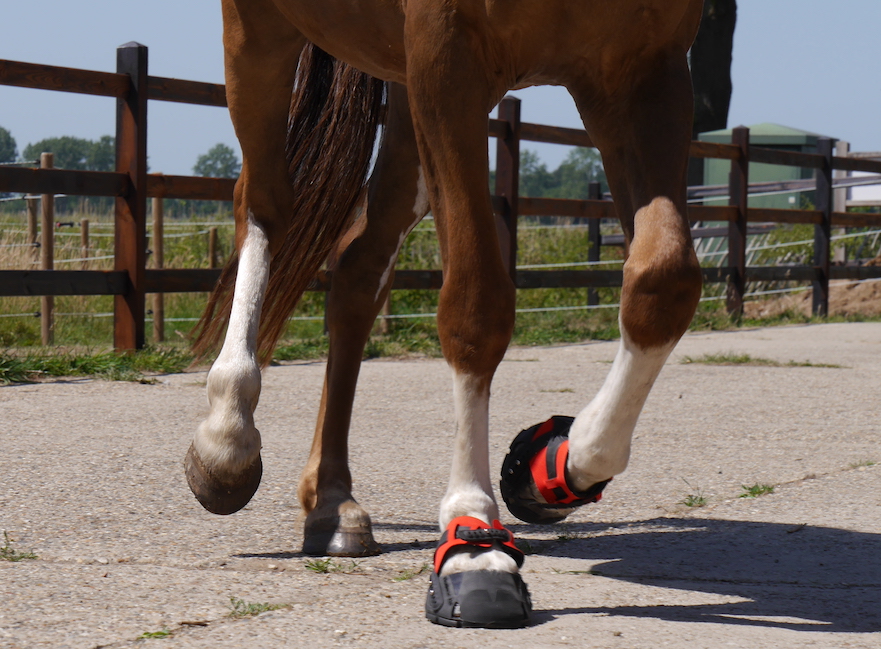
[158, 262]
[823, 230]
[508, 182]
[594, 193]
[131, 210]
[47, 255]
[738, 196]
[84, 242]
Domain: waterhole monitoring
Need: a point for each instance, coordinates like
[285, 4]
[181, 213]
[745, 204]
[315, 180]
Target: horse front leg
[475, 581]
[564, 463]
[335, 523]
[223, 465]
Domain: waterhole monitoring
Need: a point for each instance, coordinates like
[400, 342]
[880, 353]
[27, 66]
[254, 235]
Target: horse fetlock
[472, 502]
[468, 558]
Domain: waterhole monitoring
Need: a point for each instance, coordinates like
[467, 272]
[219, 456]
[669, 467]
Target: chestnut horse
[306, 83]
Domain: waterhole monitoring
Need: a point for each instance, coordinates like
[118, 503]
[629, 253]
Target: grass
[241, 608]
[110, 366]
[148, 635]
[696, 499]
[731, 358]
[328, 565]
[409, 573]
[756, 490]
[862, 463]
[8, 553]
[78, 323]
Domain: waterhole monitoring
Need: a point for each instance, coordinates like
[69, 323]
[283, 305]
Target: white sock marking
[470, 492]
[227, 438]
[599, 441]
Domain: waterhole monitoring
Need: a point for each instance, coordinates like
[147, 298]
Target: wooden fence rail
[130, 184]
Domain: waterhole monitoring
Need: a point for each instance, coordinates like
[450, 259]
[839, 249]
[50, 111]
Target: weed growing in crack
[756, 490]
[8, 553]
[409, 573]
[696, 499]
[328, 565]
[241, 608]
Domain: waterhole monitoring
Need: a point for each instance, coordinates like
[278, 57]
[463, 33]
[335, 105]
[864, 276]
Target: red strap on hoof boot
[467, 530]
[539, 455]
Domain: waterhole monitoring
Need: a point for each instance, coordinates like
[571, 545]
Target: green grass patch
[109, 366]
[241, 608]
[149, 635]
[730, 358]
[409, 573]
[328, 565]
[696, 499]
[8, 553]
[756, 490]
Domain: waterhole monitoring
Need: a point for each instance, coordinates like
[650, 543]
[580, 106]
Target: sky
[808, 64]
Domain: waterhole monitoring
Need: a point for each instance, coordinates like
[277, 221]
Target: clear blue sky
[809, 64]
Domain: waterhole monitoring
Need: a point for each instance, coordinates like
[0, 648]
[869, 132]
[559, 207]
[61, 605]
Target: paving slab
[91, 481]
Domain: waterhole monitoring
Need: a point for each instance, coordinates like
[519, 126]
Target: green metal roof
[766, 134]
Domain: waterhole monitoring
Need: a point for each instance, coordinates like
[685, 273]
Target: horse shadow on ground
[795, 577]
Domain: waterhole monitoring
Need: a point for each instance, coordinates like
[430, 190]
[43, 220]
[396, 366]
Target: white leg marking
[420, 209]
[470, 492]
[599, 441]
[227, 438]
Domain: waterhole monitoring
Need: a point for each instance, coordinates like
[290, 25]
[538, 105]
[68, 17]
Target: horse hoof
[341, 543]
[487, 599]
[221, 495]
[478, 599]
[344, 532]
[534, 484]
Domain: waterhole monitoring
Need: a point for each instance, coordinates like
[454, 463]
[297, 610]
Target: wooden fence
[130, 184]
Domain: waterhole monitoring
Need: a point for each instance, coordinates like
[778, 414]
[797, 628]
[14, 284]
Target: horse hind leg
[223, 465]
[335, 523]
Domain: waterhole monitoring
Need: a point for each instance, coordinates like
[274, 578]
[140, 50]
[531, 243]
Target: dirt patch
[845, 299]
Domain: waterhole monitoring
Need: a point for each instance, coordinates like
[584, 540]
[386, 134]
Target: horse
[308, 85]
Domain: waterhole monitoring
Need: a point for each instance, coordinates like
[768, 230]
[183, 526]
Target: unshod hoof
[341, 531]
[221, 495]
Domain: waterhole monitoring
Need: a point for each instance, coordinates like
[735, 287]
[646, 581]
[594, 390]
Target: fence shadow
[800, 578]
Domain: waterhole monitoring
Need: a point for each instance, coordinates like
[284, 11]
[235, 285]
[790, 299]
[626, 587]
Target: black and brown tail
[335, 113]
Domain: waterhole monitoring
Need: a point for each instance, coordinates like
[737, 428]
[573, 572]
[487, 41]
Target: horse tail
[334, 117]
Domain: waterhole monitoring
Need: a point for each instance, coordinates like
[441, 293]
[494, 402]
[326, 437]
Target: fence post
[508, 182]
[158, 262]
[738, 196]
[594, 193]
[33, 206]
[212, 247]
[47, 255]
[823, 230]
[84, 242]
[839, 204]
[131, 210]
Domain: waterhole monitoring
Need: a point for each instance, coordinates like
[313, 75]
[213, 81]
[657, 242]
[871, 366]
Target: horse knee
[475, 324]
[662, 277]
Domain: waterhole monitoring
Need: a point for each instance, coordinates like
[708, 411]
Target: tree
[220, 162]
[580, 168]
[76, 153]
[8, 150]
